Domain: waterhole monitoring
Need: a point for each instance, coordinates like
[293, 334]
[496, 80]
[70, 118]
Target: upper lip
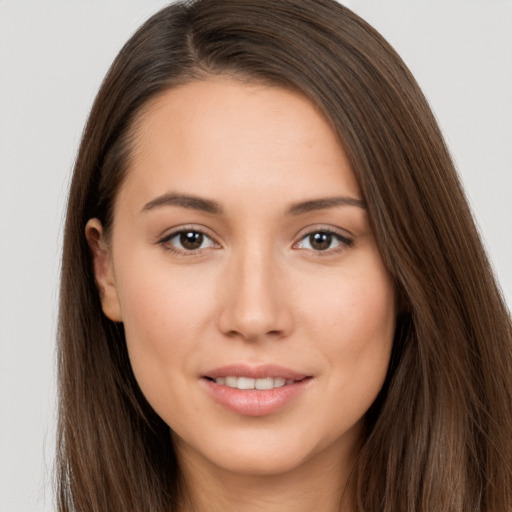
[255, 372]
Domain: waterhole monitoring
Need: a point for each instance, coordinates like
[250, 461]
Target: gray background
[53, 55]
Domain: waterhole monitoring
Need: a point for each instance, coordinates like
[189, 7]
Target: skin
[257, 291]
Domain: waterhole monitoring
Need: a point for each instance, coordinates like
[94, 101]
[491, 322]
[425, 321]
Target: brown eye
[187, 241]
[320, 241]
[191, 240]
[324, 241]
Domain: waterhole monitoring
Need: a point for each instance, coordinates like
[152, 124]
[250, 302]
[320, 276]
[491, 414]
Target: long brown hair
[439, 436]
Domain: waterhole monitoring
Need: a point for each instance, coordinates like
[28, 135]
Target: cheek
[354, 324]
[356, 309]
[164, 312]
[159, 299]
[366, 318]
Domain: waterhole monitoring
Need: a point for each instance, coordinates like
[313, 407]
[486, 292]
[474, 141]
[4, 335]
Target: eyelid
[173, 232]
[346, 238]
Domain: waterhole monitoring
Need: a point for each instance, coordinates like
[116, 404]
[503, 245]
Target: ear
[103, 270]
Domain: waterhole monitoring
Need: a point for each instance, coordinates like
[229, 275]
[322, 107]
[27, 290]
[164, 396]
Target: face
[258, 313]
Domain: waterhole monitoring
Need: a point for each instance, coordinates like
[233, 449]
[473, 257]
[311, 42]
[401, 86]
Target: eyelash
[184, 252]
[344, 242]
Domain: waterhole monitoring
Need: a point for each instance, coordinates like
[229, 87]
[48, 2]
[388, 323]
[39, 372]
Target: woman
[281, 299]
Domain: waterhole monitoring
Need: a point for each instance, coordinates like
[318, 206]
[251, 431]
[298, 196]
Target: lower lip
[256, 402]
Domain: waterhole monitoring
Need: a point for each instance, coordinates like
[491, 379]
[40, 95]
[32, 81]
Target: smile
[248, 383]
[255, 391]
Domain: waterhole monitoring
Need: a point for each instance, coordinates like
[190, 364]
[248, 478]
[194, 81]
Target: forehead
[224, 136]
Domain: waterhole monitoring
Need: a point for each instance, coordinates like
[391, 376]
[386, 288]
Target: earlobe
[103, 270]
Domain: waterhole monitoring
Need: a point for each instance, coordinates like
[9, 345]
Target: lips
[255, 390]
[255, 372]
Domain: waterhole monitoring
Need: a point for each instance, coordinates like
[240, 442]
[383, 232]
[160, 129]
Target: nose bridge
[254, 304]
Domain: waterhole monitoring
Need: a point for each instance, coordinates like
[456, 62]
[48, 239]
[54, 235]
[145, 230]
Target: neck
[319, 484]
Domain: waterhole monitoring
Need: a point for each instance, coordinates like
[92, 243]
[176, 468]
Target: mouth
[248, 383]
[255, 391]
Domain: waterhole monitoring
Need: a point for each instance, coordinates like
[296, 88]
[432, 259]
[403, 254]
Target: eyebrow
[325, 203]
[213, 207]
[184, 201]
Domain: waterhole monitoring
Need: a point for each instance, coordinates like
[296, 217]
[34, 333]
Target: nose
[254, 301]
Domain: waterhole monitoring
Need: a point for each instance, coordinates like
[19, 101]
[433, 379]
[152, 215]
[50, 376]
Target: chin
[269, 452]
[260, 462]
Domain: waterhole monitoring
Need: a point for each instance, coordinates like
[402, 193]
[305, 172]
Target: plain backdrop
[53, 55]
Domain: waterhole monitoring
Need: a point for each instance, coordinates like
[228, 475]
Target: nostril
[254, 320]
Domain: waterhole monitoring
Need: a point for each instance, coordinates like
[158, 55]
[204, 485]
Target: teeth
[248, 383]
[230, 382]
[245, 383]
[267, 383]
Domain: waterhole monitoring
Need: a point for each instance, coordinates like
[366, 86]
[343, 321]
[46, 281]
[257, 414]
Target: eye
[188, 240]
[323, 241]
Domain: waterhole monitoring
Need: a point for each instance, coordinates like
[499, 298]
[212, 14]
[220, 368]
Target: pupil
[191, 240]
[320, 241]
